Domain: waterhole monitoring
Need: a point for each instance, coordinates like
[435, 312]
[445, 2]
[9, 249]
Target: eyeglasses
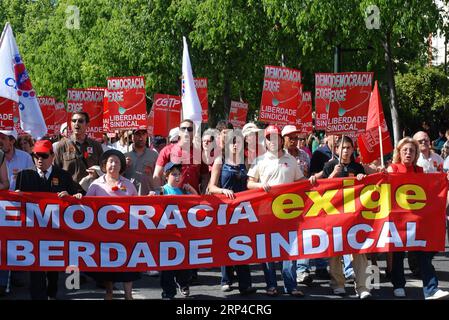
[41, 155]
[78, 120]
[422, 141]
[189, 129]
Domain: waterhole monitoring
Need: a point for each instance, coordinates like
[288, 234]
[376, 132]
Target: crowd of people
[221, 160]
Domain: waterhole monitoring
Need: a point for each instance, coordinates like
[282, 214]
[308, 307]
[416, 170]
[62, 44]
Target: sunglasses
[78, 120]
[41, 155]
[423, 141]
[189, 129]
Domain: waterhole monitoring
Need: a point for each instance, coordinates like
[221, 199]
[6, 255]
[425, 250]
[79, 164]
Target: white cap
[289, 129]
[11, 133]
[173, 135]
[250, 128]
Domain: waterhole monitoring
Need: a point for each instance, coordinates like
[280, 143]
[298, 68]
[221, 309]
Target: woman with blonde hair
[405, 157]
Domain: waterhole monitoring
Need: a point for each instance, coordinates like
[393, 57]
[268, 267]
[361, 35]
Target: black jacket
[59, 180]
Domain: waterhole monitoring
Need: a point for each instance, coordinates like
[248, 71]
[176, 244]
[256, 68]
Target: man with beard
[77, 153]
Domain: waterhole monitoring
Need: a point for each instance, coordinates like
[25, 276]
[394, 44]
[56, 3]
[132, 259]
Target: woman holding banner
[113, 184]
[405, 157]
[229, 176]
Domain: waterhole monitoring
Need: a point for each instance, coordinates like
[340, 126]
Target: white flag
[191, 107]
[15, 84]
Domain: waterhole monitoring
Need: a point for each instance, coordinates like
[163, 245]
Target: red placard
[341, 101]
[304, 116]
[60, 116]
[127, 103]
[150, 122]
[167, 113]
[9, 116]
[238, 113]
[201, 89]
[381, 213]
[47, 105]
[90, 101]
[280, 95]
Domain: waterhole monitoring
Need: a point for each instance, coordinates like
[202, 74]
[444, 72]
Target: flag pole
[381, 148]
[341, 148]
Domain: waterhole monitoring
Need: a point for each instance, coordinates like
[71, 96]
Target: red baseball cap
[272, 129]
[43, 146]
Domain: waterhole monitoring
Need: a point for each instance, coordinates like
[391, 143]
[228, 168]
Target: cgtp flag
[15, 84]
[191, 107]
[369, 141]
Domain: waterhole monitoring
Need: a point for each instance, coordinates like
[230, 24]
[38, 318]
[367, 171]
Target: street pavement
[209, 287]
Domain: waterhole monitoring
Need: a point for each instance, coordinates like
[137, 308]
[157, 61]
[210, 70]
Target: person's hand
[152, 193]
[266, 187]
[360, 176]
[63, 194]
[337, 169]
[91, 173]
[228, 193]
[312, 180]
[78, 196]
[187, 187]
[381, 169]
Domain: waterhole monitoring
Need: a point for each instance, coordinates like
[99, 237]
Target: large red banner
[238, 113]
[90, 101]
[167, 113]
[48, 108]
[127, 106]
[39, 231]
[304, 121]
[341, 101]
[280, 95]
[9, 115]
[201, 89]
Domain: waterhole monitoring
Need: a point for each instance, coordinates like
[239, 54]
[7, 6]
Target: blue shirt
[234, 177]
[167, 189]
[20, 161]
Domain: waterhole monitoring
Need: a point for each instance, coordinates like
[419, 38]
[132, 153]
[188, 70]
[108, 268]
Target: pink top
[100, 188]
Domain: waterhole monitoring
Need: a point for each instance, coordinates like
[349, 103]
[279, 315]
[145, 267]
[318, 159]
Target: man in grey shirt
[140, 162]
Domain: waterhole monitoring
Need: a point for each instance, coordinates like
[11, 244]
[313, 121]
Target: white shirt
[431, 164]
[273, 170]
[20, 161]
[47, 174]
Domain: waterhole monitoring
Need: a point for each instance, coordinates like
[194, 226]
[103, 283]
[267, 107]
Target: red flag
[369, 140]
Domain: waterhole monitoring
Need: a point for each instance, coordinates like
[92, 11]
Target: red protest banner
[106, 113]
[48, 108]
[238, 113]
[304, 121]
[167, 113]
[60, 116]
[341, 101]
[381, 213]
[90, 101]
[127, 103]
[201, 89]
[9, 115]
[280, 95]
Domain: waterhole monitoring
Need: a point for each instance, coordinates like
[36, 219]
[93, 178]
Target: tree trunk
[392, 90]
[226, 99]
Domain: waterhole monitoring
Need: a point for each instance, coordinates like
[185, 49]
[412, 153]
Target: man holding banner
[273, 168]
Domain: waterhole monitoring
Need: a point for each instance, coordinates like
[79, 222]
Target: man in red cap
[46, 178]
[276, 167]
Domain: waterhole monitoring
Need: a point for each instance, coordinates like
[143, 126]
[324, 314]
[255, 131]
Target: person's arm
[4, 181]
[157, 177]
[213, 182]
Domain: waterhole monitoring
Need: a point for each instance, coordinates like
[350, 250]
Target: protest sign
[48, 108]
[90, 101]
[201, 90]
[9, 116]
[238, 113]
[60, 116]
[280, 95]
[304, 121]
[127, 103]
[341, 101]
[167, 113]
